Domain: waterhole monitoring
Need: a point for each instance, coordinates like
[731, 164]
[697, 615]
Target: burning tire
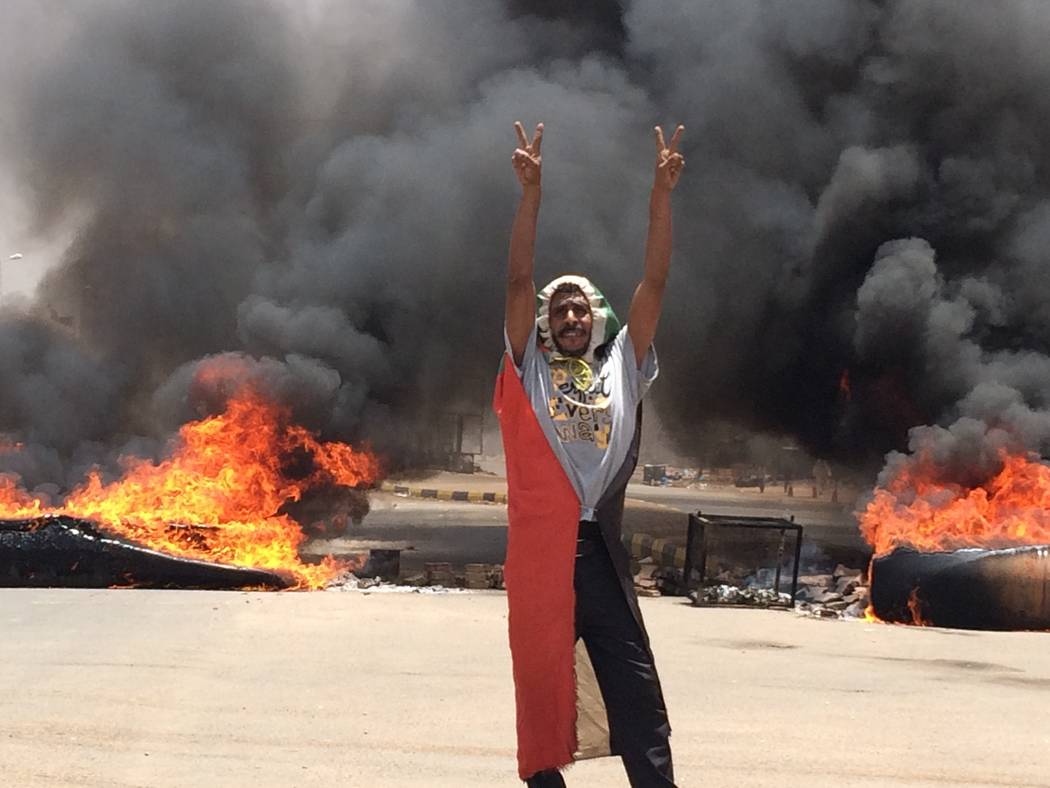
[64, 551]
[1004, 589]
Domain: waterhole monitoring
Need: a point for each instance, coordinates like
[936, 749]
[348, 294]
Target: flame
[16, 503]
[914, 510]
[230, 474]
[915, 608]
[845, 390]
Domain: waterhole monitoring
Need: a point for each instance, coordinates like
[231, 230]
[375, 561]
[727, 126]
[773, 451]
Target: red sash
[543, 513]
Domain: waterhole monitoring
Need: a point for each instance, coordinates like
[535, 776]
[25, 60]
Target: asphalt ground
[430, 530]
[180, 688]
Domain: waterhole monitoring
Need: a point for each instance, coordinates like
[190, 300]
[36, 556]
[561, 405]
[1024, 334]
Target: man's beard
[573, 353]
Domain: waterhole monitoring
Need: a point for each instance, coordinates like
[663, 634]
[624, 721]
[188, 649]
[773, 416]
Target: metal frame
[698, 525]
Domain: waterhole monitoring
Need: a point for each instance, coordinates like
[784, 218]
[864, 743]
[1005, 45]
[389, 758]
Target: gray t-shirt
[589, 430]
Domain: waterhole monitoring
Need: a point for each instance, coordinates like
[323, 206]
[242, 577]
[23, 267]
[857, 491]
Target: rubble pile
[376, 585]
[723, 594]
[653, 579]
[646, 581]
[823, 592]
[842, 593]
[480, 576]
[440, 574]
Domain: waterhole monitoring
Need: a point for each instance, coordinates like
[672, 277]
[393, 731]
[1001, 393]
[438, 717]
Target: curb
[662, 551]
[444, 495]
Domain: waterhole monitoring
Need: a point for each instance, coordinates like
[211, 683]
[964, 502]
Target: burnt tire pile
[1006, 589]
[60, 551]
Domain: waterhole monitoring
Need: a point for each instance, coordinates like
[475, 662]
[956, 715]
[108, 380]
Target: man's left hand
[669, 162]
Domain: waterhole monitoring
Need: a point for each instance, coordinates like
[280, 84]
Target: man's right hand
[526, 158]
[521, 290]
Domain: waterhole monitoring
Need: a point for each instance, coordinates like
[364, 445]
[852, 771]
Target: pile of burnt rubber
[69, 552]
[1004, 589]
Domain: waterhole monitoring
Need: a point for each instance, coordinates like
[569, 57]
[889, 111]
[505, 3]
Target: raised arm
[521, 289]
[648, 297]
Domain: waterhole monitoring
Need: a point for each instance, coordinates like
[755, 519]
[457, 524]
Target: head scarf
[604, 323]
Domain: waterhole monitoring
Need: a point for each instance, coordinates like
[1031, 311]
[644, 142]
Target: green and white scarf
[604, 323]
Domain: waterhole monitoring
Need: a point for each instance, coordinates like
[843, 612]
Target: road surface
[123, 688]
[431, 530]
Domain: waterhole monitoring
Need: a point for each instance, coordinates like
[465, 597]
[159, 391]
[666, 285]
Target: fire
[913, 510]
[230, 473]
[16, 503]
[915, 608]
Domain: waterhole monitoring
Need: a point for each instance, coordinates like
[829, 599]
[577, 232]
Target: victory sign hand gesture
[669, 162]
[526, 158]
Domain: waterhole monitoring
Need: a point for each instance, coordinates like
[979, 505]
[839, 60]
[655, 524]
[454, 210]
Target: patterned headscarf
[604, 323]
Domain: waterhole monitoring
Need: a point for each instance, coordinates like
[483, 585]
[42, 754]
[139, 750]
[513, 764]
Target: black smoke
[317, 197]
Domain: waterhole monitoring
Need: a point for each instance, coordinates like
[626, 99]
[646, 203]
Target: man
[568, 398]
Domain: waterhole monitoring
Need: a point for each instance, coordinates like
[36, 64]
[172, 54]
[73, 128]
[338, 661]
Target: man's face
[570, 323]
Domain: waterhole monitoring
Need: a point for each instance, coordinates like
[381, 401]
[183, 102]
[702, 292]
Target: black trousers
[638, 726]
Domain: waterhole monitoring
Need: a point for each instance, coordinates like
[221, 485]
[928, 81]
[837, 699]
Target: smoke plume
[316, 197]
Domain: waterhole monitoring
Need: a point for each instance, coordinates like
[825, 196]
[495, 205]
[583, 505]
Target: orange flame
[16, 503]
[915, 608]
[913, 510]
[229, 472]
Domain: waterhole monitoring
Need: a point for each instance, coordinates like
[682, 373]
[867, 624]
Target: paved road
[715, 499]
[829, 528]
[722, 500]
[427, 530]
[171, 688]
[460, 533]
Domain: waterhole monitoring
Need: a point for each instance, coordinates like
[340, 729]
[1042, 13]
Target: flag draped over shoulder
[543, 512]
